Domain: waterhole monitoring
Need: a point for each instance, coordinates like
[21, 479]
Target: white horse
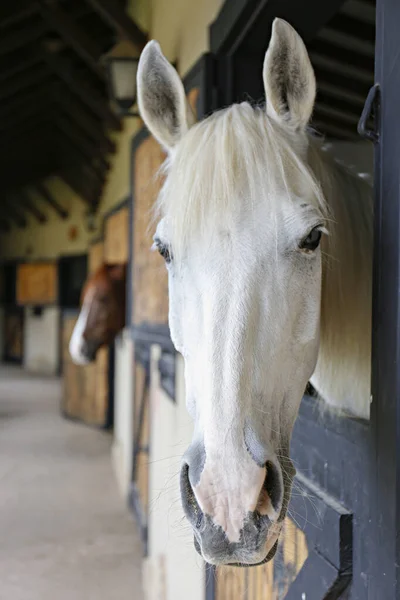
[268, 247]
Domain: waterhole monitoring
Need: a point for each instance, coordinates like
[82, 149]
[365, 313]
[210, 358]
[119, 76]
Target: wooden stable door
[116, 237]
[149, 281]
[13, 334]
[86, 389]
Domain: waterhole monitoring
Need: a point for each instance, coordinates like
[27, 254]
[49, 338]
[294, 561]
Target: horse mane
[227, 162]
[223, 163]
[343, 372]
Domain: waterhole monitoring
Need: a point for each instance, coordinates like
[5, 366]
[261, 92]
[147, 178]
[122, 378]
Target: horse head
[245, 210]
[102, 313]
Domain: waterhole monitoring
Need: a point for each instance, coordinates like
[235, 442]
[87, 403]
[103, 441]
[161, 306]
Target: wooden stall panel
[96, 256]
[150, 284]
[85, 388]
[270, 581]
[37, 283]
[13, 334]
[116, 241]
[100, 407]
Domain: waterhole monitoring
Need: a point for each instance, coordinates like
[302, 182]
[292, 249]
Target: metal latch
[370, 113]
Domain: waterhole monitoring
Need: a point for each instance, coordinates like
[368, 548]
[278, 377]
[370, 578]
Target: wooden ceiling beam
[33, 78]
[86, 93]
[29, 34]
[4, 225]
[73, 110]
[61, 148]
[113, 13]
[15, 106]
[71, 155]
[73, 35]
[23, 162]
[51, 106]
[22, 199]
[15, 16]
[44, 193]
[89, 192]
[93, 153]
[30, 178]
[27, 142]
[31, 111]
[25, 136]
[13, 214]
[16, 180]
[14, 68]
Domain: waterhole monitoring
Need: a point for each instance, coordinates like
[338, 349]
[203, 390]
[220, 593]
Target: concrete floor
[65, 532]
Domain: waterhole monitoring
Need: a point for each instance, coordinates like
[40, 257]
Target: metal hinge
[370, 114]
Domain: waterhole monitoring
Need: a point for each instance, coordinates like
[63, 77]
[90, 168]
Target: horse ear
[116, 272]
[289, 79]
[161, 97]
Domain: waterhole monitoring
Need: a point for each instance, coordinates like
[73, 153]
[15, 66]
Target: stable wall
[51, 239]
[41, 341]
[39, 241]
[181, 28]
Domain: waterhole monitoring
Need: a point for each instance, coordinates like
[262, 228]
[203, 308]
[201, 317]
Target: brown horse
[102, 313]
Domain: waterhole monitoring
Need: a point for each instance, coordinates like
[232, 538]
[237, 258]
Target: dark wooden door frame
[233, 42]
[385, 411]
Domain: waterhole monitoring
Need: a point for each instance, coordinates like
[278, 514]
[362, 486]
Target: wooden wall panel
[96, 256]
[85, 388]
[150, 284]
[13, 334]
[37, 283]
[270, 581]
[116, 237]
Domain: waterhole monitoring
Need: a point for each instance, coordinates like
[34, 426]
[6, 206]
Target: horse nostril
[190, 505]
[270, 498]
[89, 349]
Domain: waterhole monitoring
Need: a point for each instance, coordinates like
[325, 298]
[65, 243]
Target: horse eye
[311, 242]
[164, 250]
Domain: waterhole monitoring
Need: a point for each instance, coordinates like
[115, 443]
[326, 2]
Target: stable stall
[89, 390]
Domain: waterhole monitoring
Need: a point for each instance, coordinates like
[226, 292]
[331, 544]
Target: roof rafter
[51, 201]
[73, 35]
[98, 105]
[120, 21]
[22, 199]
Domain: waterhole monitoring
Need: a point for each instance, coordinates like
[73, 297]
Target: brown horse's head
[102, 313]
